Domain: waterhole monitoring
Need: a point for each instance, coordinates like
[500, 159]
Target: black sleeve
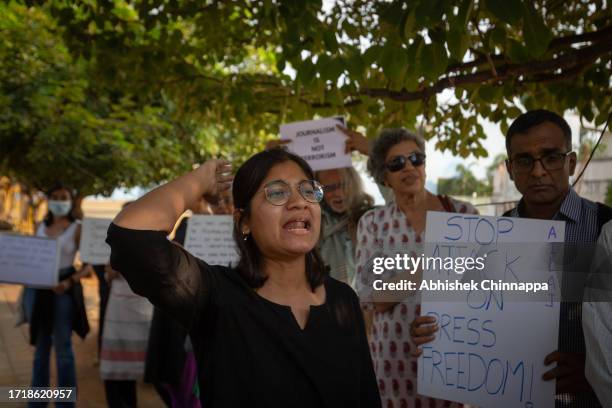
[370, 396]
[163, 272]
[181, 232]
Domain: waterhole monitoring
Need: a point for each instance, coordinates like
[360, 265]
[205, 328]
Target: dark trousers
[61, 341]
[120, 393]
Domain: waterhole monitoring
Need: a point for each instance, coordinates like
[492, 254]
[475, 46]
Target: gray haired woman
[344, 203]
[397, 160]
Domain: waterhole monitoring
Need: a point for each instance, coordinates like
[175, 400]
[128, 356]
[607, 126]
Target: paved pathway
[16, 353]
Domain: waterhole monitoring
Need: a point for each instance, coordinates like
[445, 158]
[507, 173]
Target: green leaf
[124, 11]
[503, 126]
[497, 37]
[394, 62]
[329, 38]
[536, 34]
[508, 11]
[572, 97]
[330, 68]
[601, 118]
[356, 65]
[513, 112]
[372, 54]
[464, 13]
[306, 72]
[429, 11]
[413, 57]
[458, 43]
[489, 93]
[409, 23]
[434, 60]
[323, 66]
[587, 113]
[392, 13]
[437, 35]
[517, 51]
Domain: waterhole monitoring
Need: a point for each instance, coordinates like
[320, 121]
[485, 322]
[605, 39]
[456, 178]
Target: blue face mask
[59, 208]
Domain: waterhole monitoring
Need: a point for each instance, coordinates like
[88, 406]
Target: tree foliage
[382, 63]
[463, 184]
[232, 71]
[58, 126]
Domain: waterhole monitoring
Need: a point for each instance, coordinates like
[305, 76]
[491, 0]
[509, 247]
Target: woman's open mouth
[297, 226]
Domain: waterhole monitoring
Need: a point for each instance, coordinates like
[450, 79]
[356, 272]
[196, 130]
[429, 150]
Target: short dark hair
[247, 181]
[48, 220]
[536, 117]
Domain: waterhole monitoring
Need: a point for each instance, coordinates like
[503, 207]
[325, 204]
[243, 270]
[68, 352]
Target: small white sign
[319, 142]
[93, 248]
[29, 260]
[209, 237]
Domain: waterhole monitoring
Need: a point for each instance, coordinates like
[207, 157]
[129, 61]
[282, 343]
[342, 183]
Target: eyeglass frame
[330, 188]
[407, 158]
[539, 159]
[315, 183]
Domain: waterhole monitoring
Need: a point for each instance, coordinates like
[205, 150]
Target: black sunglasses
[397, 163]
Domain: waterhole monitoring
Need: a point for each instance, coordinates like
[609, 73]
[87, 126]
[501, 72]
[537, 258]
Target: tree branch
[565, 62]
[596, 36]
[486, 53]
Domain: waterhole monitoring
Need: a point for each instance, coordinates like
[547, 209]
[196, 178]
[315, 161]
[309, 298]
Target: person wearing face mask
[397, 160]
[58, 311]
[273, 331]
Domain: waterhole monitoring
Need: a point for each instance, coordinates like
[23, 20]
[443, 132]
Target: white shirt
[65, 241]
[597, 322]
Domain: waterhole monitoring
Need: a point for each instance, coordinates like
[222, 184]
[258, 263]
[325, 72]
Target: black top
[166, 354]
[251, 351]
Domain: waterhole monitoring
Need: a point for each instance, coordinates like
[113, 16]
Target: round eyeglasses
[278, 192]
[397, 163]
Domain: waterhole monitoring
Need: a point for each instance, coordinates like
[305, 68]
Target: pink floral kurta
[385, 231]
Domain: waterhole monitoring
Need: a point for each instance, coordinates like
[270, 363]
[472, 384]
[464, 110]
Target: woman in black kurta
[251, 351]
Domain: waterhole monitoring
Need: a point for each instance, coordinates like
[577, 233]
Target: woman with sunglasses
[397, 160]
[273, 331]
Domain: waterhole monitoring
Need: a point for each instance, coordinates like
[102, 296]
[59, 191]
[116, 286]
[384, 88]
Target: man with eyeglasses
[540, 162]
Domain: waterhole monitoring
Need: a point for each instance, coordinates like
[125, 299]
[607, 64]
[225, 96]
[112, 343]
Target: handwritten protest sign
[318, 142]
[489, 350]
[93, 248]
[28, 260]
[209, 237]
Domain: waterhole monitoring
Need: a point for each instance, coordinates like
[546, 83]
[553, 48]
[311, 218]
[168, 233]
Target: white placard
[29, 260]
[93, 248]
[318, 142]
[489, 350]
[209, 237]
